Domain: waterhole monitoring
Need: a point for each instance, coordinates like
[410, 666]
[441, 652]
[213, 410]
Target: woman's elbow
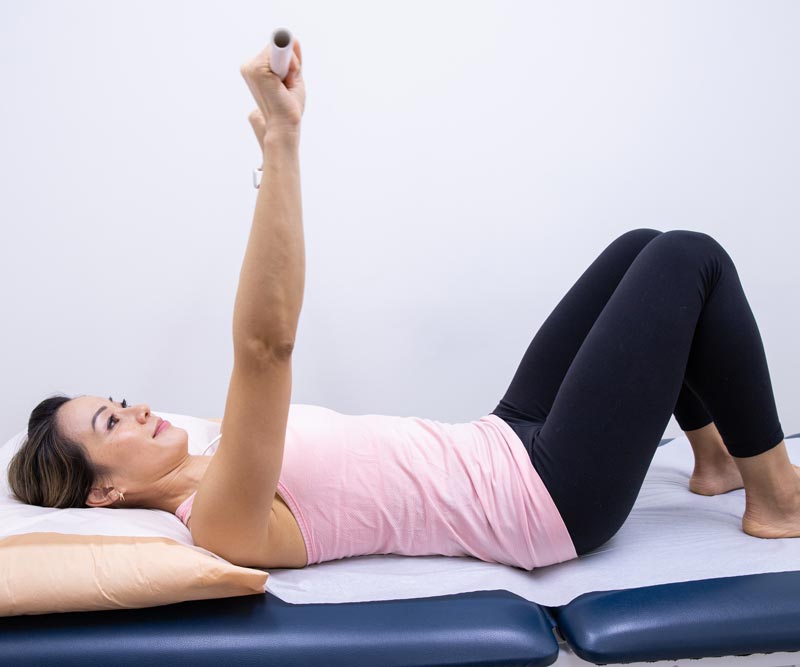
[261, 350]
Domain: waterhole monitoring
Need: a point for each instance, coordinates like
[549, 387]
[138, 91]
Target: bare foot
[773, 523]
[713, 479]
[772, 529]
[721, 477]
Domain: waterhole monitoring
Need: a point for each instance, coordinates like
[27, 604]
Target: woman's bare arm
[233, 510]
[272, 278]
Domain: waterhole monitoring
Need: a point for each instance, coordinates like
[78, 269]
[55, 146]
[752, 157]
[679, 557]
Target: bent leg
[679, 311]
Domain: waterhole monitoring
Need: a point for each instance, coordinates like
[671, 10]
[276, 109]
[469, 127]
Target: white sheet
[671, 535]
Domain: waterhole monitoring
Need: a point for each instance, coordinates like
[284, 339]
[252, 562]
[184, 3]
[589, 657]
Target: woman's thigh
[533, 389]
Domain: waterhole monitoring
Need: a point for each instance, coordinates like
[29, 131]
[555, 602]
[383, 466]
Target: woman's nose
[142, 412]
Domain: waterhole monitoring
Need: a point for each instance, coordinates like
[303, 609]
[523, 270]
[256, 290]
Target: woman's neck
[183, 481]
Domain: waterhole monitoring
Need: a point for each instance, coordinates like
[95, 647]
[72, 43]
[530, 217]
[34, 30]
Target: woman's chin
[173, 437]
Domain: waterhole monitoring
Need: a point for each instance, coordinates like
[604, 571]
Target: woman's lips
[162, 426]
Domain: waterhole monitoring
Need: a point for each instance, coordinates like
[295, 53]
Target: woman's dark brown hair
[50, 469]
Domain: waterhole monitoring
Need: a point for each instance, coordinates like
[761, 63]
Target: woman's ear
[102, 496]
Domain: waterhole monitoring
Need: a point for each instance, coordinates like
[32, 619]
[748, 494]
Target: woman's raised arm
[233, 510]
[271, 282]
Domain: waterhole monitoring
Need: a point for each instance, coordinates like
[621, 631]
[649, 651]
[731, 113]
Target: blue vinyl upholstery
[481, 628]
[758, 613]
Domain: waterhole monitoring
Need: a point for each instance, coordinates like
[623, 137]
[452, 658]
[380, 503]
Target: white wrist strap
[256, 177]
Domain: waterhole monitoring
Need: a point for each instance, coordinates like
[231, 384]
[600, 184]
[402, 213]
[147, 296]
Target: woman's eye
[113, 420]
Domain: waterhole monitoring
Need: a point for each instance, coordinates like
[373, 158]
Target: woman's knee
[641, 236]
[627, 246]
[696, 248]
[686, 240]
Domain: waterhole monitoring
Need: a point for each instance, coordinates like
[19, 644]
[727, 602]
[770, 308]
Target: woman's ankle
[707, 445]
[770, 479]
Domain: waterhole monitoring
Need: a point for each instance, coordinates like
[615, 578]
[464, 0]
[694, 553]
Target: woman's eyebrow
[95, 416]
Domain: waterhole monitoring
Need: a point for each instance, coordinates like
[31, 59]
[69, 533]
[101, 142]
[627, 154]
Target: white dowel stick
[280, 55]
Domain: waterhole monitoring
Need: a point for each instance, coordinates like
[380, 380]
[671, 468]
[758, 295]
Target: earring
[121, 496]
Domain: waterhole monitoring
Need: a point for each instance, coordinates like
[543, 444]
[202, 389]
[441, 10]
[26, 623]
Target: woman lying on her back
[657, 324]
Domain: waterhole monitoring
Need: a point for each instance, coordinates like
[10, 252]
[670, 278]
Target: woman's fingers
[281, 103]
[258, 76]
[297, 60]
[298, 51]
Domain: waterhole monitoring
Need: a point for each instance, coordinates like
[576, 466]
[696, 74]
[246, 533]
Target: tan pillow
[42, 573]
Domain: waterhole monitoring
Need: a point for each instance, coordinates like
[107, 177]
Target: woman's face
[124, 440]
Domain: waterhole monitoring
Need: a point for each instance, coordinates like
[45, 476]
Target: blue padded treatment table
[715, 617]
[729, 616]
[481, 628]
[757, 613]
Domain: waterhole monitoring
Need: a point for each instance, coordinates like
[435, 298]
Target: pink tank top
[374, 484]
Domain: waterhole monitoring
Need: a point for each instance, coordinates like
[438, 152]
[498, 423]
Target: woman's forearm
[271, 282]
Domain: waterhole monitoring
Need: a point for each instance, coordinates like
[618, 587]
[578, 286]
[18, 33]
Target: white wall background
[462, 163]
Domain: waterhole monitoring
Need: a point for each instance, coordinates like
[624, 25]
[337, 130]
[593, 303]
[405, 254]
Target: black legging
[657, 324]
